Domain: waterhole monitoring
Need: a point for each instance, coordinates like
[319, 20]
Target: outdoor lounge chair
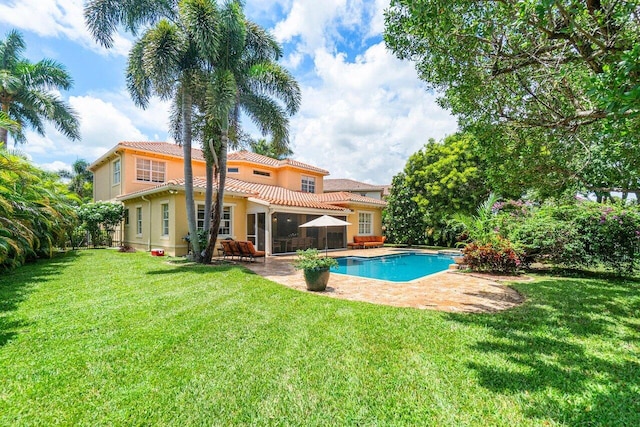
[235, 248]
[226, 249]
[249, 251]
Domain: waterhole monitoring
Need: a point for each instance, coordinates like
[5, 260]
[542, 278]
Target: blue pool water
[395, 268]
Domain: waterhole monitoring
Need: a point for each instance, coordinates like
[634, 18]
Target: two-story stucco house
[266, 200]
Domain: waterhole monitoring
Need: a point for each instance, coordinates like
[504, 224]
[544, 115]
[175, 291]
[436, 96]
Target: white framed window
[139, 221]
[308, 184]
[226, 221]
[233, 170]
[200, 217]
[261, 173]
[365, 223]
[116, 172]
[165, 219]
[150, 170]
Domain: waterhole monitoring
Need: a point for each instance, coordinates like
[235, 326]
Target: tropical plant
[487, 249]
[36, 211]
[270, 149]
[7, 124]
[246, 79]
[481, 227]
[27, 96]
[310, 259]
[80, 179]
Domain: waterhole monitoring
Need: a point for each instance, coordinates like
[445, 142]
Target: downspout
[122, 225]
[150, 222]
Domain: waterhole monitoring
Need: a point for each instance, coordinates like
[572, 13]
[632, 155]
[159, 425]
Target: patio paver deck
[448, 291]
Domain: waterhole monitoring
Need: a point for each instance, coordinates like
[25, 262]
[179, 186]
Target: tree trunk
[219, 204]
[4, 133]
[3, 138]
[208, 195]
[187, 107]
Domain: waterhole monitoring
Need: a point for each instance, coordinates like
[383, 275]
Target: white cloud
[57, 18]
[361, 117]
[105, 120]
[56, 166]
[367, 117]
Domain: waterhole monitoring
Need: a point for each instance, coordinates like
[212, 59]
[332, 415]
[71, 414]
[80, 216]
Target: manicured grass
[107, 338]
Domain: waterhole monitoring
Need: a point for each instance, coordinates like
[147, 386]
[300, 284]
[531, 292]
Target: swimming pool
[402, 267]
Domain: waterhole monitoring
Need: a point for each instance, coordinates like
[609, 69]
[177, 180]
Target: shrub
[548, 235]
[581, 235]
[612, 234]
[495, 257]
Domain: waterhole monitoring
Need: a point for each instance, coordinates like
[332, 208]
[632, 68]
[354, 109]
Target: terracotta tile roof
[166, 148]
[346, 197]
[248, 156]
[280, 196]
[349, 185]
[271, 194]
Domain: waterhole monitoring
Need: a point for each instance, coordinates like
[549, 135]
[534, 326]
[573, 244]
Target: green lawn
[107, 338]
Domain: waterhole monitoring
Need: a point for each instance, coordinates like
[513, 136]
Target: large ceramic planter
[316, 278]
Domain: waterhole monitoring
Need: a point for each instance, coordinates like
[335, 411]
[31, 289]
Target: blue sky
[363, 111]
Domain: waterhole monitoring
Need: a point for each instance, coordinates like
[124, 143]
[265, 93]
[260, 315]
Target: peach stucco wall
[103, 187]
[103, 175]
[290, 178]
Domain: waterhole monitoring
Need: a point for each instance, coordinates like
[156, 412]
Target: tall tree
[211, 61]
[445, 178]
[404, 221]
[26, 93]
[270, 149]
[167, 61]
[561, 75]
[80, 179]
[246, 78]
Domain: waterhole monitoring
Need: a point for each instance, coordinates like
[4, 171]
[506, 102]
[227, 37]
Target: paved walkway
[448, 291]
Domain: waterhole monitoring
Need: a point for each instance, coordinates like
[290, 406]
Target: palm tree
[194, 48]
[25, 96]
[166, 61]
[246, 78]
[269, 149]
[36, 211]
[7, 124]
[80, 179]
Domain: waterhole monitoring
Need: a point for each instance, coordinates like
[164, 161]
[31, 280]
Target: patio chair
[227, 251]
[235, 249]
[249, 251]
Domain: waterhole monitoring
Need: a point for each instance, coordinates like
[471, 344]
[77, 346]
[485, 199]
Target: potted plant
[315, 268]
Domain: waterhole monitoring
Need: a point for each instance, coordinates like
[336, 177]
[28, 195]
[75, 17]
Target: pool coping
[445, 291]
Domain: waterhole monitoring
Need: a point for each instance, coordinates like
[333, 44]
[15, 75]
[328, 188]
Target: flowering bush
[495, 257]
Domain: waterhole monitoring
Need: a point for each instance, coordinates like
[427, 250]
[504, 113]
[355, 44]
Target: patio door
[256, 226]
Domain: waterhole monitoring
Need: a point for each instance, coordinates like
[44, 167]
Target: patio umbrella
[325, 221]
